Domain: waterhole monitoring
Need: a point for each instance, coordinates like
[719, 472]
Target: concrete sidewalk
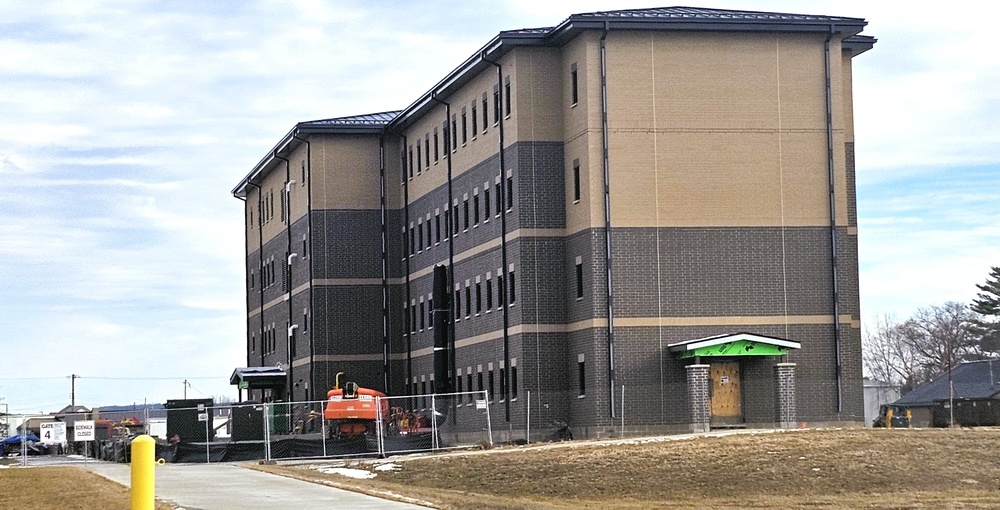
[232, 487]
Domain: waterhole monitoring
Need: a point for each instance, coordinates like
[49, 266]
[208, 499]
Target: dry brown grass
[830, 469]
[61, 488]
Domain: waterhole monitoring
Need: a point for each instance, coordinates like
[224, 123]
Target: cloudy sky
[124, 126]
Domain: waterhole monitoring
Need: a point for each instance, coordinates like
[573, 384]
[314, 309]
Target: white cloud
[125, 127]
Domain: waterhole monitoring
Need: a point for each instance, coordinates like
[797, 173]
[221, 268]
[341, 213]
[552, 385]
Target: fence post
[322, 424]
[434, 420]
[378, 428]
[208, 417]
[489, 422]
[267, 433]
[143, 486]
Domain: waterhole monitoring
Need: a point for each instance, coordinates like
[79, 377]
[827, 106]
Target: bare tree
[942, 337]
[887, 356]
[927, 344]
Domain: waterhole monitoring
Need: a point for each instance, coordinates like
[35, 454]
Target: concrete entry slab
[227, 486]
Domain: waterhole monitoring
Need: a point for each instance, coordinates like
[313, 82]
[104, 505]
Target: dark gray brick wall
[721, 271]
[852, 195]
[347, 244]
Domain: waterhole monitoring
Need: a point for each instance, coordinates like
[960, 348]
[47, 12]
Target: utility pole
[72, 390]
[186, 384]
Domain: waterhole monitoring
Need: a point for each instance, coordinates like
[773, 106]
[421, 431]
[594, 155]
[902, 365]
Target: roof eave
[289, 142]
[571, 28]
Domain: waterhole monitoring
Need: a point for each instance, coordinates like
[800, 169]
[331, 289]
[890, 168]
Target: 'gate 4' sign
[53, 432]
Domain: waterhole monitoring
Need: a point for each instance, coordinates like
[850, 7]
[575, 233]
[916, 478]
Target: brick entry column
[784, 379]
[697, 382]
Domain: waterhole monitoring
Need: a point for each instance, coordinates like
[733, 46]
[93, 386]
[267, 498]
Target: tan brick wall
[345, 172]
[721, 130]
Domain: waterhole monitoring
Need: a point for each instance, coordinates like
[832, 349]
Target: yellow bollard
[143, 473]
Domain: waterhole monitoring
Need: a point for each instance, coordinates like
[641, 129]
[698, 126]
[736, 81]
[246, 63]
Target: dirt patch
[849, 468]
[61, 488]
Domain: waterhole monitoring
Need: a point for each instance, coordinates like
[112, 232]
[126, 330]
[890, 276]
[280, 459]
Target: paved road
[229, 486]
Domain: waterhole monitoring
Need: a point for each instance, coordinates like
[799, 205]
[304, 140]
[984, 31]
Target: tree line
[934, 338]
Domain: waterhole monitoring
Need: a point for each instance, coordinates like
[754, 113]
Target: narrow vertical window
[479, 298]
[419, 165]
[579, 277]
[465, 132]
[486, 111]
[303, 172]
[413, 317]
[496, 104]
[468, 300]
[253, 343]
[402, 166]
[410, 162]
[475, 120]
[458, 383]
[465, 213]
[447, 223]
[512, 294]
[428, 232]
[574, 84]
[475, 209]
[468, 381]
[513, 379]
[479, 379]
[436, 143]
[427, 150]
[437, 228]
[506, 94]
[454, 132]
[576, 180]
[405, 244]
[420, 237]
[491, 387]
[489, 294]
[454, 220]
[430, 314]
[581, 373]
[486, 201]
[413, 242]
[444, 134]
[458, 304]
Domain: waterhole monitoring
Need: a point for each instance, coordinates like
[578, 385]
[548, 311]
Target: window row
[462, 215]
[471, 384]
[478, 293]
[417, 156]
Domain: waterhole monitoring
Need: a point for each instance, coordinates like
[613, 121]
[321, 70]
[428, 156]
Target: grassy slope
[61, 488]
[850, 468]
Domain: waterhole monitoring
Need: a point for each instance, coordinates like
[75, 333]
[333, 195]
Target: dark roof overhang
[258, 377]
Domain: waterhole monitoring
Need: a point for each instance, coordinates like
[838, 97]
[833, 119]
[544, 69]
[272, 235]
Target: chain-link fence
[369, 425]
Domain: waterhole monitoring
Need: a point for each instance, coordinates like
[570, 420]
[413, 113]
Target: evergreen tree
[987, 305]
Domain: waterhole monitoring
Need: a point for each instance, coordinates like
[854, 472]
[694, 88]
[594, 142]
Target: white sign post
[83, 430]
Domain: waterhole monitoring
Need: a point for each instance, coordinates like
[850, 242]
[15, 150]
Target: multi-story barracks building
[645, 217]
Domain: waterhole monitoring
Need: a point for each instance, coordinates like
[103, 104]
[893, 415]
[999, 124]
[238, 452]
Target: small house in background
[877, 394]
[974, 389]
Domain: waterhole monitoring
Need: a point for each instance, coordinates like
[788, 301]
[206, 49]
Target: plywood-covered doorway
[726, 396]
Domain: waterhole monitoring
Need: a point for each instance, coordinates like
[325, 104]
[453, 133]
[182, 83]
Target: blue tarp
[17, 439]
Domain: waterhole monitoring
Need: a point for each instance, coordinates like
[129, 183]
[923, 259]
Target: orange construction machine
[352, 410]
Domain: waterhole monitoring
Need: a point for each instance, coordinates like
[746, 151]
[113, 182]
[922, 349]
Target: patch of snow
[4, 466]
[387, 467]
[350, 472]
[815, 469]
[969, 481]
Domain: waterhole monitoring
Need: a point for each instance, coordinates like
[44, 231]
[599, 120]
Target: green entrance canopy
[734, 344]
